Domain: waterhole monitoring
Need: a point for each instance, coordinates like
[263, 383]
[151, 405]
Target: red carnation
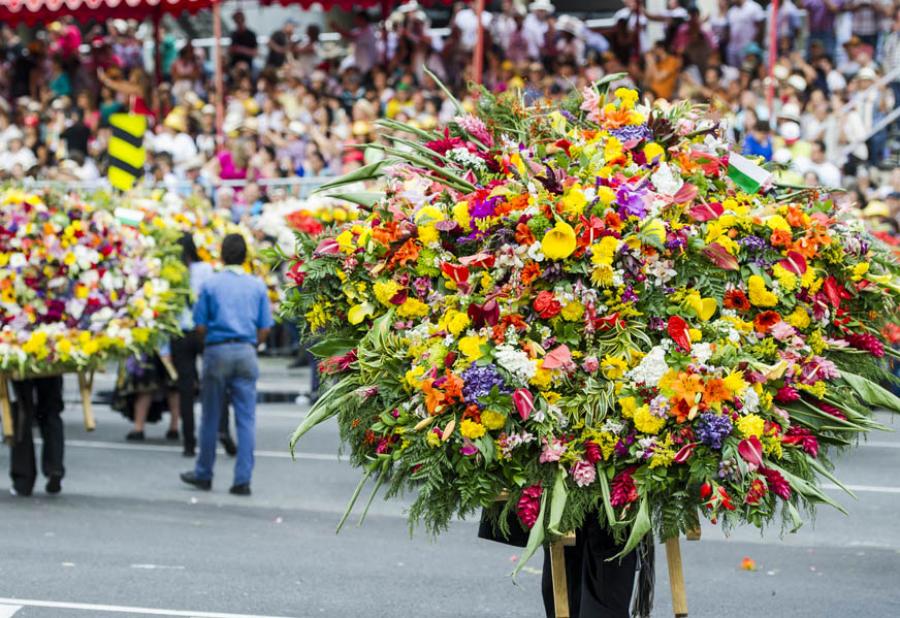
[546, 305]
[756, 492]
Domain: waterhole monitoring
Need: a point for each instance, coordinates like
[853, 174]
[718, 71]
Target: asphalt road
[126, 538]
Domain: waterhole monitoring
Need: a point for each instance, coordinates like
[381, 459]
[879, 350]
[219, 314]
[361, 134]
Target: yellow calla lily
[360, 312]
[705, 308]
[559, 242]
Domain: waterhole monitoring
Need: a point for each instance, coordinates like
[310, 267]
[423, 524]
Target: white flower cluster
[516, 362]
[651, 368]
[464, 157]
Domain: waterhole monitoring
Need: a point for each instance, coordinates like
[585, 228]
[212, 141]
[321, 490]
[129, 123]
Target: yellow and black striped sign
[127, 154]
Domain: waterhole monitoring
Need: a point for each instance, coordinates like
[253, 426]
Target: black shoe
[240, 490]
[172, 435]
[191, 479]
[135, 436]
[228, 444]
[19, 493]
[189, 451]
[54, 484]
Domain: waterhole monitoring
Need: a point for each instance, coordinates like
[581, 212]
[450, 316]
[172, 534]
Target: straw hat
[176, 120]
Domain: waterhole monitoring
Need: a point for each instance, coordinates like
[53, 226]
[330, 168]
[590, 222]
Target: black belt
[224, 341]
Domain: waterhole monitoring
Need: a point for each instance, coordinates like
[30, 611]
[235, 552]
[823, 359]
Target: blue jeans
[231, 369]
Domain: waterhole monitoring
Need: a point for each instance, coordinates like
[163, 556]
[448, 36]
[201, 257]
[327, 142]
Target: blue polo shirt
[233, 306]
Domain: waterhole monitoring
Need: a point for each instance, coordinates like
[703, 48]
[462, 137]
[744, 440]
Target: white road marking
[876, 444]
[122, 609]
[160, 448]
[873, 489]
[160, 567]
[8, 611]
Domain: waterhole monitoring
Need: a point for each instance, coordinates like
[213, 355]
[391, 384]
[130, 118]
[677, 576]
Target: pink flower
[591, 364]
[552, 451]
[529, 506]
[782, 330]
[559, 358]
[867, 342]
[584, 473]
[804, 439]
[591, 103]
[592, 452]
[787, 394]
[468, 448]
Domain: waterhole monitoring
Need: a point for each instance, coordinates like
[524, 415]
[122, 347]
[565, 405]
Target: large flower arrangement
[595, 311]
[78, 288]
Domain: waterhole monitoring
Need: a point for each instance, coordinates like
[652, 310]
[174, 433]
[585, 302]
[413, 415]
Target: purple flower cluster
[754, 244]
[479, 381]
[631, 203]
[713, 429]
[630, 132]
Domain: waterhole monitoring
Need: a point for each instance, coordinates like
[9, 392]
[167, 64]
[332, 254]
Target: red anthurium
[456, 273]
[524, 402]
[678, 331]
[794, 262]
[684, 453]
[835, 291]
[718, 255]
[488, 313]
[479, 260]
[750, 451]
[685, 194]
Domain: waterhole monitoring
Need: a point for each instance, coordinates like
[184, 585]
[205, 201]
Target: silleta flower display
[597, 310]
[78, 288]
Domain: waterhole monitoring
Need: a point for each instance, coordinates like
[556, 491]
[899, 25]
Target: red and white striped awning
[33, 12]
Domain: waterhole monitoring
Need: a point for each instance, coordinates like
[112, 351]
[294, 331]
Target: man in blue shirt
[232, 315]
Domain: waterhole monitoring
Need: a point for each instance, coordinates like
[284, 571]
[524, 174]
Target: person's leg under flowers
[243, 397]
[22, 467]
[606, 584]
[212, 397]
[49, 406]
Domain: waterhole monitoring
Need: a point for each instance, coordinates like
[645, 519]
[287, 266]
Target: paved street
[127, 538]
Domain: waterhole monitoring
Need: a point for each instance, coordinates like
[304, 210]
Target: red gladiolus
[868, 343]
[787, 394]
[546, 305]
[778, 485]
[804, 439]
[678, 331]
[529, 506]
[750, 451]
[725, 499]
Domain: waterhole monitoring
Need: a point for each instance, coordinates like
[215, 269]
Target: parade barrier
[601, 309]
[85, 388]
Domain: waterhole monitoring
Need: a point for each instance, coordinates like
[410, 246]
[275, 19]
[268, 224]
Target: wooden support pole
[6, 411]
[676, 578]
[560, 582]
[86, 385]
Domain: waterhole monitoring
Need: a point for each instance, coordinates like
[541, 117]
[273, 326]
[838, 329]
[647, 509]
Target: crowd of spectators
[294, 103]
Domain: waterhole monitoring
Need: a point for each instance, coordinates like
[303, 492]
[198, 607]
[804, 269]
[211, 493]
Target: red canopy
[33, 12]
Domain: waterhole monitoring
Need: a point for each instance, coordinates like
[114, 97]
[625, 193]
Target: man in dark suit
[597, 588]
[38, 399]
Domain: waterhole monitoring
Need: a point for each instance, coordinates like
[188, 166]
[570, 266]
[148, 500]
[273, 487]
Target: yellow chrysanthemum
[613, 367]
[646, 422]
[786, 278]
[735, 382]
[628, 406]
[471, 347]
[385, 290]
[759, 295]
[574, 201]
[454, 322]
[777, 222]
[471, 430]
[606, 195]
[412, 308]
[493, 420]
[751, 425]
[799, 318]
[572, 311]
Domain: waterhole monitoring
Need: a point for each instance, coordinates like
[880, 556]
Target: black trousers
[597, 588]
[39, 399]
[185, 351]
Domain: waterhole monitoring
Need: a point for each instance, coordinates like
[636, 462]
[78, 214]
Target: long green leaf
[354, 498]
[535, 537]
[558, 503]
[816, 465]
[639, 528]
[366, 199]
[366, 172]
[381, 476]
[872, 393]
[446, 91]
[807, 489]
[327, 406]
[333, 346]
[607, 502]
